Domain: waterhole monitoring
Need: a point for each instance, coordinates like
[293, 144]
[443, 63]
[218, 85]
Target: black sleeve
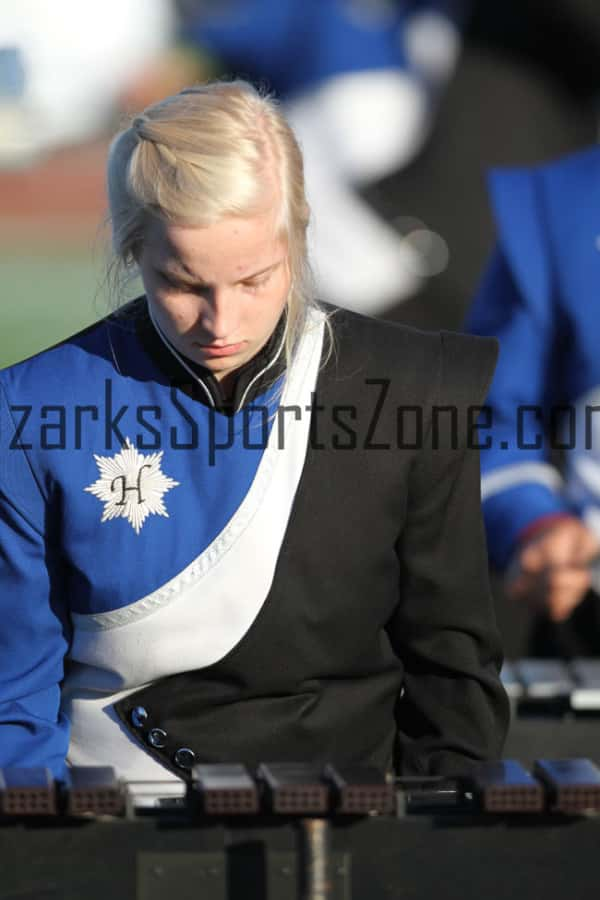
[453, 710]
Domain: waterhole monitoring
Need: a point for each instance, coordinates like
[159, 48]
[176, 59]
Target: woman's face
[217, 292]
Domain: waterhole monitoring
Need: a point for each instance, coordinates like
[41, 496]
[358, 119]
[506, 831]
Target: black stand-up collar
[251, 379]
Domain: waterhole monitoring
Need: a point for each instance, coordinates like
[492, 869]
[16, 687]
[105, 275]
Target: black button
[138, 716]
[157, 738]
[184, 758]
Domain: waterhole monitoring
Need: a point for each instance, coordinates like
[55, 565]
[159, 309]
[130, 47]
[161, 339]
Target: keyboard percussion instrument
[298, 831]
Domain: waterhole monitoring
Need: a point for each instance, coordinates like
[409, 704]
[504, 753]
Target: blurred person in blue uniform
[541, 470]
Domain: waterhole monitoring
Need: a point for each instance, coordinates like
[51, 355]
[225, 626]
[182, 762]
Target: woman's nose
[220, 315]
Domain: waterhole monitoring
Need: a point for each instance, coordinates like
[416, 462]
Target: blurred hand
[550, 571]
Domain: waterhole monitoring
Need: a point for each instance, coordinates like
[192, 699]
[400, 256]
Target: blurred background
[400, 107]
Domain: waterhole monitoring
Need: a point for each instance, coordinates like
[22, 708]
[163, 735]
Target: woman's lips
[215, 350]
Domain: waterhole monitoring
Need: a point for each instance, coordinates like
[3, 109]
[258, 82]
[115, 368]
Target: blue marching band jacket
[541, 298]
[278, 580]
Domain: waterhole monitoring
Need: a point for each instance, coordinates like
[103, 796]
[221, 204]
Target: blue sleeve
[297, 45]
[33, 633]
[519, 482]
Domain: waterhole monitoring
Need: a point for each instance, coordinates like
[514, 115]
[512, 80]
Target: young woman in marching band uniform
[236, 525]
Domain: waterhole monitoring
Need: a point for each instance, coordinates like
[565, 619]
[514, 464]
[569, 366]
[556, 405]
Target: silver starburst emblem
[131, 486]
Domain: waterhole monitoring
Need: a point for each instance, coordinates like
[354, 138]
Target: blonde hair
[213, 150]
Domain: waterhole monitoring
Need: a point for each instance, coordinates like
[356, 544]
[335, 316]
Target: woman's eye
[166, 280]
[176, 286]
[255, 285]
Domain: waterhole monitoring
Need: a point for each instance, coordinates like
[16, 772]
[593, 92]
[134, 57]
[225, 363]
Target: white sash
[198, 616]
